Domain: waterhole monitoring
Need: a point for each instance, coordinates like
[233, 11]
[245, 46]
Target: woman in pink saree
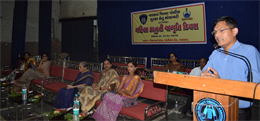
[131, 86]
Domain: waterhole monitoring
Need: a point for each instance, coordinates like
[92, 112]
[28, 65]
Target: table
[61, 117]
[4, 91]
[18, 102]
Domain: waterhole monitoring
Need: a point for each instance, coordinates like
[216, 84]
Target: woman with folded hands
[108, 81]
[130, 88]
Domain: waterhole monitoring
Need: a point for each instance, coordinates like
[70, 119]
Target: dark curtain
[19, 29]
[45, 27]
[77, 39]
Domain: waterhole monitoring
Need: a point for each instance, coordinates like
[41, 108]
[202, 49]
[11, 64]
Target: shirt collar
[237, 44]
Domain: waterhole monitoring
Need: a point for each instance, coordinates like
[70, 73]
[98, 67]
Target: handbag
[129, 102]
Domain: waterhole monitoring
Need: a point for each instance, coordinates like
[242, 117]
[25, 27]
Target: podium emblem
[210, 110]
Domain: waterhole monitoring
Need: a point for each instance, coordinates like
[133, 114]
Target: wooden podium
[210, 91]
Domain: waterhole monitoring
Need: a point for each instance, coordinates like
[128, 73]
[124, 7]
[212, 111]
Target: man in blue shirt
[225, 66]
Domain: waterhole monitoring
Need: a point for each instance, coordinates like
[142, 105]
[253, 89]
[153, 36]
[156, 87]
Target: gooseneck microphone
[250, 75]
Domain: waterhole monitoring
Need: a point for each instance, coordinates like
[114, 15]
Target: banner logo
[143, 18]
[210, 110]
[187, 15]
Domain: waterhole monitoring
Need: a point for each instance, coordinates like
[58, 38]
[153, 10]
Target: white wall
[6, 25]
[32, 23]
[56, 17]
[57, 28]
[7, 11]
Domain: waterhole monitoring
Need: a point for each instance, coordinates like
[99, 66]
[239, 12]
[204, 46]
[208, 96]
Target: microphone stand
[250, 75]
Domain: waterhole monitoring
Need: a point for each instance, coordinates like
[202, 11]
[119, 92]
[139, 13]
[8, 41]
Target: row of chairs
[155, 62]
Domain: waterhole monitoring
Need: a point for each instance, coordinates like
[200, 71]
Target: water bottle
[76, 98]
[7, 99]
[176, 106]
[76, 108]
[24, 92]
[24, 102]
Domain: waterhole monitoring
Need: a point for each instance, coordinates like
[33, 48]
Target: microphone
[216, 46]
[250, 75]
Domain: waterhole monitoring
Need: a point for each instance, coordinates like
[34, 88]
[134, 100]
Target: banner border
[165, 8]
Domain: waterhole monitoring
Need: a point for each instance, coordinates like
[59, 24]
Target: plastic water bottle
[7, 99]
[76, 98]
[76, 108]
[176, 106]
[24, 92]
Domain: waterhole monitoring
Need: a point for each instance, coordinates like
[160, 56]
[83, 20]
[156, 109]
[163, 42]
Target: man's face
[224, 34]
[203, 62]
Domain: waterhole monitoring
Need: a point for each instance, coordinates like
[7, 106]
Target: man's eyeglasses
[220, 30]
[44, 56]
[172, 56]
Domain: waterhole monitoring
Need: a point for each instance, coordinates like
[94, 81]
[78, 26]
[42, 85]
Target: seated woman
[24, 63]
[131, 86]
[30, 63]
[66, 95]
[174, 65]
[41, 72]
[108, 81]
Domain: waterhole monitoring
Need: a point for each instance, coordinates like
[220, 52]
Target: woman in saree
[41, 72]
[174, 65]
[108, 81]
[66, 95]
[131, 86]
[30, 63]
[24, 63]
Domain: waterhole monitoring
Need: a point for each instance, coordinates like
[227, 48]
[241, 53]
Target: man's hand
[207, 74]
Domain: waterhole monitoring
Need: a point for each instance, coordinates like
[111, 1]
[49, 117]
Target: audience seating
[177, 92]
[151, 91]
[9, 69]
[63, 56]
[143, 111]
[188, 70]
[54, 83]
[122, 61]
[159, 64]
[51, 86]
